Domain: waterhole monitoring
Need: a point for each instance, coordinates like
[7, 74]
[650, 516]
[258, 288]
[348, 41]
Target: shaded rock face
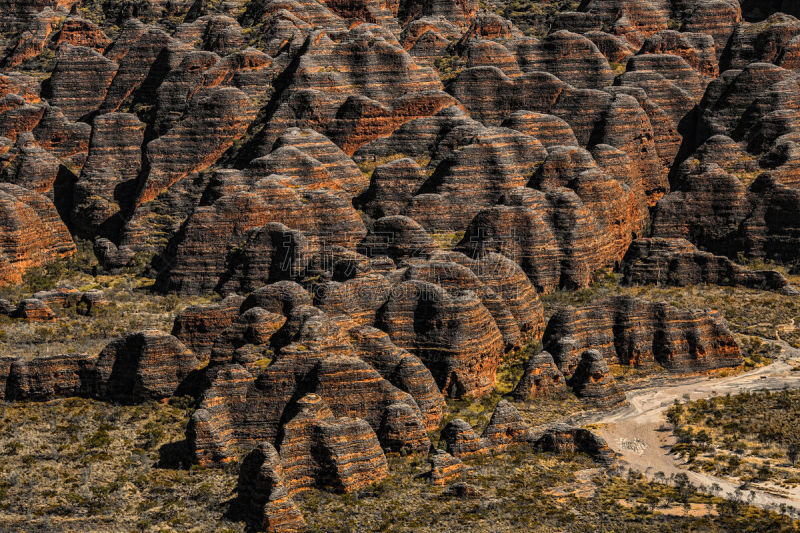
[46, 378]
[728, 201]
[149, 365]
[445, 468]
[629, 331]
[462, 442]
[34, 309]
[201, 256]
[31, 232]
[554, 236]
[80, 80]
[563, 438]
[210, 127]
[678, 262]
[592, 381]
[318, 449]
[456, 313]
[262, 491]
[107, 181]
[540, 378]
[453, 333]
[199, 326]
[355, 372]
[355, 104]
[506, 427]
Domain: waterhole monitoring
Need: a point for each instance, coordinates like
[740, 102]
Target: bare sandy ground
[637, 432]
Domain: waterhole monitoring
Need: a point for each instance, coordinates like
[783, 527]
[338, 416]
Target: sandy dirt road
[635, 431]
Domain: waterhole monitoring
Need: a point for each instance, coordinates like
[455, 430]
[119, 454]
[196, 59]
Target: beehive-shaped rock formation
[31, 232]
[540, 378]
[262, 490]
[630, 331]
[462, 442]
[149, 365]
[563, 438]
[678, 262]
[593, 382]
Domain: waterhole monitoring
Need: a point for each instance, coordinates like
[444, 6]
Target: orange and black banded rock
[565, 439]
[107, 183]
[31, 232]
[216, 118]
[266, 254]
[596, 117]
[350, 455]
[46, 378]
[391, 187]
[616, 49]
[767, 41]
[33, 40]
[509, 282]
[398, 237]
[549, 129]
[697, 49]
[352, 104]
[718, 212]
[571, 57]
[593, 382]
[30, 166]
[635, 20]
[678, 262]
[62, 297]
[199, 256]
[149, 365]
[352, 387]
[619, 206]
[724, 107]
[473, 176]
[540, 378]
[216, 33]
[337, 170]
[80, 80]
[78, 31]
[462, 442]
[253, 328]
[445, 468]
[489, 53]
[402, 431]
[450, 331]
[136, 50]
[507, 428]
[453, 276]
[403, 370]
[669, 81]
[241, 408]
[320, 450]
[34, 309]
[179, 85]
[281, 298]
[216, 428]
[359, 297]
[261, 489]
[553, 236]
[629, 331]
[67, 140]
[90, 301]
[199, 326]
